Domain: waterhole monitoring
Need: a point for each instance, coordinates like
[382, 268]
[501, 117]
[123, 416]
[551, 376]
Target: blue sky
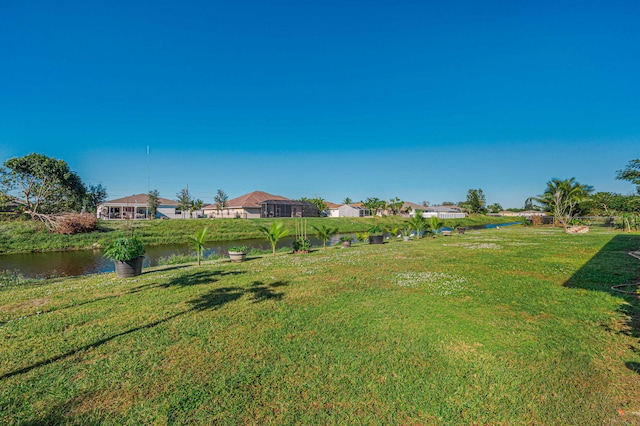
[422, 100]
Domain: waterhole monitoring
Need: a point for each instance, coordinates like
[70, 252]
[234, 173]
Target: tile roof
[141, 199]
[252, 199]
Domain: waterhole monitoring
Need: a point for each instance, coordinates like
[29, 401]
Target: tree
[448, 203]
[435, 223]
[45, 185]
[274, 233]
[347, 201]
[184, 200]
[631, 173]
[495, 208]
[418, 223]
[395, 205]
[425, 204]
[374, 205]
[221, 201]
[153, 202]
[561, 197]
[325, 233]
[195, 205]
[318, 202]
[96, 195]
[197, 242]
[475, 201]
[529, 205]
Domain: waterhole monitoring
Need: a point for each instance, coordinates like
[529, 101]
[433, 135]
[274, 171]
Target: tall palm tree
[197, 242]
[274, 233]
[325, 233]
[561, 197]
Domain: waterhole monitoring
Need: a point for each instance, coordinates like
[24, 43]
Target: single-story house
[528, 214]
[287, 208]
[137, 207]
[441, 212]
[346, 210]
[258, 204]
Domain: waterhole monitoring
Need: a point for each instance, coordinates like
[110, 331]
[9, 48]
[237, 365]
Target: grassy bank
[508, 326]
[20, 236]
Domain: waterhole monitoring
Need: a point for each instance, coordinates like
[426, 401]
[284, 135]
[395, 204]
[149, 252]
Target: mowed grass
[30, 236]
[508, 326]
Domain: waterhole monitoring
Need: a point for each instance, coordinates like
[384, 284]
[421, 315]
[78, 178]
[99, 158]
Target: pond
[81, 262]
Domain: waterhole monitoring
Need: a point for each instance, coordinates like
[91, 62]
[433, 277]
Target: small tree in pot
[127, 254]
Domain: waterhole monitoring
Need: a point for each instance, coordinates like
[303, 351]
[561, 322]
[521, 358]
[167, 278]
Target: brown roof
[413, 206]
[251, 199]
[141, 199]
[332, 205]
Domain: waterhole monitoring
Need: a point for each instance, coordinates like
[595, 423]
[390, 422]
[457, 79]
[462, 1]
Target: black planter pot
[376, 239]
[129, 268]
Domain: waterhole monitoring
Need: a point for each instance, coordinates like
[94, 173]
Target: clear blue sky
[422, 100]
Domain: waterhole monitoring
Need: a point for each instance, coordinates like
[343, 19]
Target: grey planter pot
[237, 256]
[129, 268]
[376, 239]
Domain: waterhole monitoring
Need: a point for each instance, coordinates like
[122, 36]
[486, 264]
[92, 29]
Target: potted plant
[376, 236]
[127, 254]
[346, 240]
[406, 234]
[238, 253]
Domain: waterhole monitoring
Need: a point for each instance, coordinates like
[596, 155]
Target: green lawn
[508, 326]
[29, 236]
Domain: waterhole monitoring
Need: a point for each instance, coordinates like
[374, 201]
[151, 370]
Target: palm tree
[418, 223]
[561, 197]
[274, 233]
[435, 223]
[325, 233]
[197, 242]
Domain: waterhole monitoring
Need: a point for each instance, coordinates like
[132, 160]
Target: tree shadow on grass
[612, 266]
[261, 292]
[200, 277]
[211, 300]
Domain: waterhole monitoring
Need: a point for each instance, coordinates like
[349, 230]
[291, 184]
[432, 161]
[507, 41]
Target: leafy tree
[495, 208]
[153, 202]
[45, 185]
[325, 233]
[395, 205]
[195, 205]
[631, 173]
[184, 200]
[221, 201]
[529, 205]
[197, 242]
[418, 223]
[274, 233]
[374, 205]
[347, 201]
[475, 201]
[425, 204]
[96, 195]
[318, 202]
[448, 203]
[561, 197]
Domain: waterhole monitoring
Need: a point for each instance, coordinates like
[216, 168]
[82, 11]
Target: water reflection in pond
[80, 262]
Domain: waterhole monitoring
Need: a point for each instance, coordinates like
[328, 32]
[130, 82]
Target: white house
[346, 210]
[441, 212]
[136, 207]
